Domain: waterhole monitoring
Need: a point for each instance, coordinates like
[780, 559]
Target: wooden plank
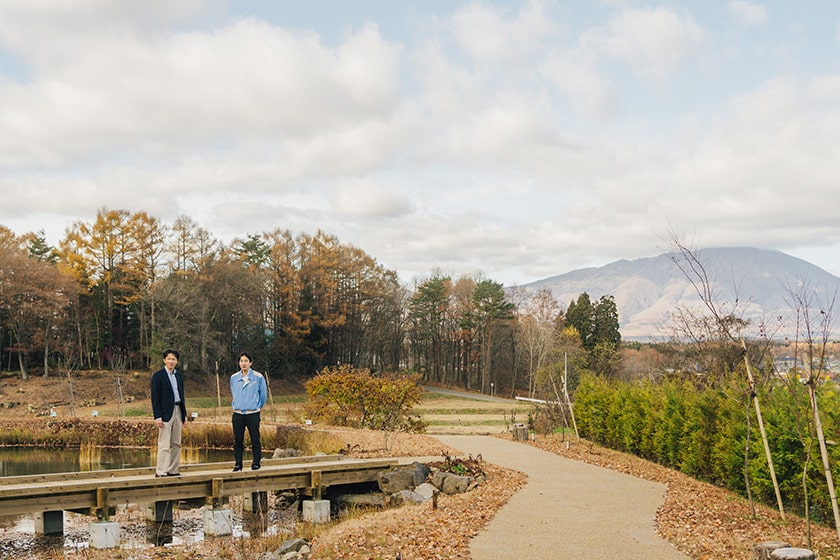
[140, 471]
[97, 494]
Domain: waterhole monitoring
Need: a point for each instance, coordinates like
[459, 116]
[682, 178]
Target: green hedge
[702, 432]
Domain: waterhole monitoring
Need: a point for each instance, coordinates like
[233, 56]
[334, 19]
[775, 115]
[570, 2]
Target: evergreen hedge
[702, 432]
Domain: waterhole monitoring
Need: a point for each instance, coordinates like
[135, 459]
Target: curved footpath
[568, 509]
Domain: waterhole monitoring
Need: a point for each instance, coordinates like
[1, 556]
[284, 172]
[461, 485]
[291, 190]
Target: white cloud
[366, 200]
[748, 13]
[578, 77]
[195, 90]
[490, 38]
[654, 41]
[520, 142]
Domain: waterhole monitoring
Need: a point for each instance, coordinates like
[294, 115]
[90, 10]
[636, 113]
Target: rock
[393, 481]
[407, 497]
[368, 500]
[403, 478]
[427, 490]
[292, 545]
[281, 453]
[450, 483]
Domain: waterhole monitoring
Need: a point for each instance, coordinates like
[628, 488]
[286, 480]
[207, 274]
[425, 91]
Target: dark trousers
[252, 422]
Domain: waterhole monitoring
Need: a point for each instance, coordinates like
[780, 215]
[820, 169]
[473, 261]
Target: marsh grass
[90, 434]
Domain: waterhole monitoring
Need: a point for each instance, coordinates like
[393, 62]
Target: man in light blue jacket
[249, 392]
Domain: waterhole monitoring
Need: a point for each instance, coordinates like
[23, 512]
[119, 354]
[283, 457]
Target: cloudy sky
[512, 139]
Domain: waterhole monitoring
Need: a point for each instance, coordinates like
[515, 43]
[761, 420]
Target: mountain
[647, 290]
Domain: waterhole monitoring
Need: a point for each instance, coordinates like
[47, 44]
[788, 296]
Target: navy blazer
[163, 401]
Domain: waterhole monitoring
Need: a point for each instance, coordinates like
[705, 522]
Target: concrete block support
[792, 554]
[49, 523]
[762, 551]
[316, 511]
[218, 522]
[255, 502]
[104, 534]
[159, 512]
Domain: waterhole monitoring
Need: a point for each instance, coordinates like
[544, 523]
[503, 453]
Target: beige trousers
[169, 444]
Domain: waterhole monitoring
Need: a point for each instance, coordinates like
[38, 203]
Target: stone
[403, 478]
[427, 490]
[407, 497]
[792, 554]
[282, 453]
[450, 483]
[291, 545]
[376, 499]
[761, 551]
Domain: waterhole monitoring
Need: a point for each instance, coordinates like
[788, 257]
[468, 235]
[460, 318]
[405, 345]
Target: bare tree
[731, 326]
[813, 330]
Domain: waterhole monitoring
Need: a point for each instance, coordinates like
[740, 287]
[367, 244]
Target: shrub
[348, 396]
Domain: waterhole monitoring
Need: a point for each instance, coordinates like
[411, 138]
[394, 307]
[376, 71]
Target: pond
[19, 540]
[16, 461]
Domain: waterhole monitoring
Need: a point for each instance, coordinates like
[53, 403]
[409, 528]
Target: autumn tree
[34, 299]
[288, 322]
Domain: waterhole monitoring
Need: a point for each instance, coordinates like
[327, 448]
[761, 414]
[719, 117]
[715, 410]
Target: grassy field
[450, 414]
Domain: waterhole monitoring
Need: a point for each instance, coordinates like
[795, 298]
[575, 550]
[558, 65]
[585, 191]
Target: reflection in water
[16, 461]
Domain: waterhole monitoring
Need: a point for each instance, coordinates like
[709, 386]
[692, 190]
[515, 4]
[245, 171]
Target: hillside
[647, 290]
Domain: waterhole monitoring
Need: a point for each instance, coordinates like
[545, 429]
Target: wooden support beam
[101, 509]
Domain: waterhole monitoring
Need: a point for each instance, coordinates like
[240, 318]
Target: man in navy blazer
[170, 411]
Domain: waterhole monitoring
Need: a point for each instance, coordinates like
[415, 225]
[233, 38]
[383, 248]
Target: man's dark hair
[173, 352]
[247, 355]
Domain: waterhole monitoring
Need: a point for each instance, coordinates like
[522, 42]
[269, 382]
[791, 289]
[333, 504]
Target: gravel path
[568, 509]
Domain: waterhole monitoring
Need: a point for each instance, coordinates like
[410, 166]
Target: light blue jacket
[250, 396]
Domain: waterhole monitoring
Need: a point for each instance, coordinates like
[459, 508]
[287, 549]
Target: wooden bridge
[98, 492]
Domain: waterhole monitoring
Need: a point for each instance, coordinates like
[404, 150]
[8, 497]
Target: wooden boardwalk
[96, 492]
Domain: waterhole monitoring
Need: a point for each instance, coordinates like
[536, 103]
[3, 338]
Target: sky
[511, 140]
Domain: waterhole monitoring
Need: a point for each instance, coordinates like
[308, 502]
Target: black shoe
[160, 475]
[255, 467]
[237, 468]
[173, 474]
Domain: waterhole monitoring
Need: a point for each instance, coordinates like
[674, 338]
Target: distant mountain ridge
[647, 290]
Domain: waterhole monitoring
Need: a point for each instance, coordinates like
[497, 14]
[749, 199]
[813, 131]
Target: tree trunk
[763, 432]
[22, 364]
[824, 453]
[47, 350]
